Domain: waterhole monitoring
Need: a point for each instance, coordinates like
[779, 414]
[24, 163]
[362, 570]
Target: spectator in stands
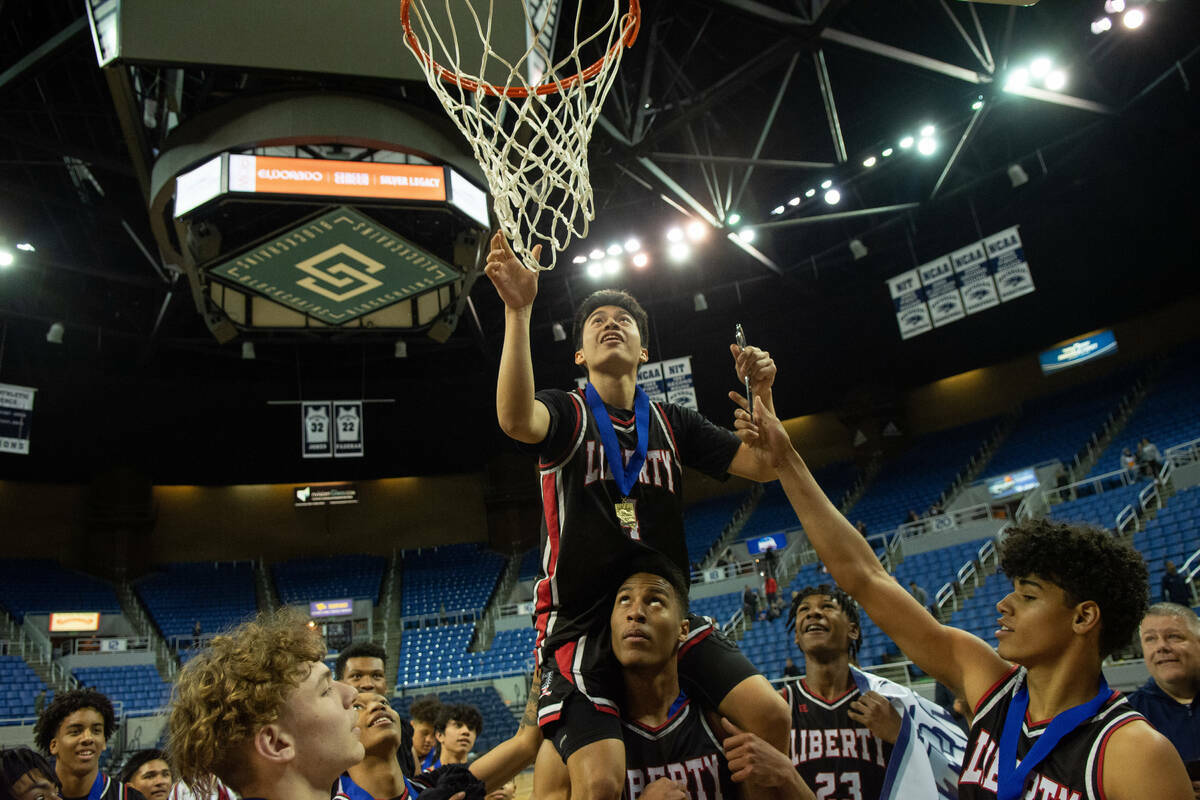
[456, 729]
[1149, 457]
[362, 666]
[1175, 587]
[149, 773]
[1077, 597]
[749, 602]
[772, 559]
[197, 634]
[1170, 637]
[919, 594]
[1129, 462]
[772, 589]
[259, 710]
[423, 714]
[378, 775]
[913, 516]
[861, 527]
[39, 702]
[777, 608]
[836, 696]
[75, 729]
[790, 670]
[26, 775]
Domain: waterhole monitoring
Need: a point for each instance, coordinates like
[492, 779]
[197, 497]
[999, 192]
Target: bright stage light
[640, 260]
[26, 246]
[927, 131]
[978, 104]
[906, 142]
[833, 197]
[1101, 25]
[777, 210]
[1040, 67]
[1017, 79]
[614, 249]
[887, 153]
[675, 235]
[612, 266]
[696, 230]
[734, 218]
[811, 193]
[596, 255]
[580, 259]
[595, 269]
[632, 245]
[747, 235]
[1114, 6]
[927, 147]
[1056, 81]
[1133, 18]
[825, 184]
[679, 252]
[795, 201]
[6, 258]
[869, 161]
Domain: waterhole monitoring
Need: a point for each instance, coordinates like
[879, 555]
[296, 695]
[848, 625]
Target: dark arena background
[966, 233]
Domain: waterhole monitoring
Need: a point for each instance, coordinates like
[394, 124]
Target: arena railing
[1191, 568]
[970, 571]
[1181, 455]
[1150, 495]
[1125, 518]
[1097, 483]
[96, 645]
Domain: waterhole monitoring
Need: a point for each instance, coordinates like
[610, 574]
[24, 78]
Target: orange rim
[631, 23]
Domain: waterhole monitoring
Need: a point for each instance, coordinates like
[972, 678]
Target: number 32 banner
[331, 428]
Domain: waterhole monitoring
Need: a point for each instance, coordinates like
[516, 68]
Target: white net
[530, 134]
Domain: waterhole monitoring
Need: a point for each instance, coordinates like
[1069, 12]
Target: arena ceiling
[723, 106]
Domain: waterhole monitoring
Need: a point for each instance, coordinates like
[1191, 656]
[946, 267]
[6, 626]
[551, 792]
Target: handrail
[1182, 454]
[968, 572]
[986, 550]
[945, 595]
[1125, 516]
[946, 521]
[1127, 478]
[1191, 567]
[1147, 494]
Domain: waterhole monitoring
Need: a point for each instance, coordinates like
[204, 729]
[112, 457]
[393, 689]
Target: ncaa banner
[908, 298]
[1006, 259]
[348, 429]
[317, 425]
[650, 378]
[941, 291]
[974, 271]
[681, 388]
[16, 418]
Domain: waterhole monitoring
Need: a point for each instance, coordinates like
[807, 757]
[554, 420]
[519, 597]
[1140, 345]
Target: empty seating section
[978, 613]
[498, 721]
[1167, 416]
[217, 594]
[42, 586]
[529, 565]
[722, 607]
[774, 512]
[138, 688]
[1099, 509]
[332, 578]
[449, 578]
[511, 651]
[1174, 534]
[915, 479]
[935, 568]
[704, 521]
[19, 685]
[1059, 426]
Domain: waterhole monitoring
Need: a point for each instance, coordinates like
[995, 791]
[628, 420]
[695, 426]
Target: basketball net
[530, 135]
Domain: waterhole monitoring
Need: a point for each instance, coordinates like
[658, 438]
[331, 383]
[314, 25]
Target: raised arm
[952, 656]
[501, 764]
[521, 416]
[758, 367]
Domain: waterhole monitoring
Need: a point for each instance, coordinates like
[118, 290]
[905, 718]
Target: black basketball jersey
[583, 542]
[1073, 769]
[683, 749]
[838, 758]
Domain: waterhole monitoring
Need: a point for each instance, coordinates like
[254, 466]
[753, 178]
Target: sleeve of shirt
[702, 445]
[564, 426]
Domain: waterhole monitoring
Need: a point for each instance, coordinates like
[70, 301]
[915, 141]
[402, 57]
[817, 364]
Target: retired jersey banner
[681, 388]
[1006, 260]
[348, 429]
[976, 285]
[941, 291]
[908, 298]
[317, 425]
[16, 418]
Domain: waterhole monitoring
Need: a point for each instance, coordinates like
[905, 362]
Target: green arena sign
[337, 267]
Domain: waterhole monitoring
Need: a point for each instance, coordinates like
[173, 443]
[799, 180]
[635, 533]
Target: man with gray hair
[1170, 637]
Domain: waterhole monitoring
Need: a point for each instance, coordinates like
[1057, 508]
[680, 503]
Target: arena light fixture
[632, 245]
[248, 353]
[27, 247]
[595, 269]
[927, 146]
[811, 193]
[401, 350]
[825, 184]
[777, 210]
[747, 235]
[1056, 81]
[614, 249]
[55, 335]
[699, 302]
[887, 153]
[679, 252]
[6, 258]
[927, 131]
[869, 161]
[1101, 25]
[1017, 79]
[1017, 175]
[833, 197]
[559, 333]
[978, 104]
[580, 259]
[1114, 6]
[641, 260]
[907, 142]
[734, 218]
[612, 266]
[1040, 67]
[675, 235]
[596, 255]
[795, 201]
[697, 230]
[858, 249]
[1133, 18]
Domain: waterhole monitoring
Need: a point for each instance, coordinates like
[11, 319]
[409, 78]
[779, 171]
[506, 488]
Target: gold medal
[627, 517]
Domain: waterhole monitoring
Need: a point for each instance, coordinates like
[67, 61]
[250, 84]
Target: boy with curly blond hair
[260, 711]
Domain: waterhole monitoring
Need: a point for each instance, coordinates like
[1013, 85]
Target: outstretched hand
[764, 432]
[516, 285]
[758, 367]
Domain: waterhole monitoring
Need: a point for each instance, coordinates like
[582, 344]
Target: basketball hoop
[530, 133]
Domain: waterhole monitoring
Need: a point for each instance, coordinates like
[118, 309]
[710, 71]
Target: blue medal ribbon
[625, 475]
[1012, 774]
[99, 786]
